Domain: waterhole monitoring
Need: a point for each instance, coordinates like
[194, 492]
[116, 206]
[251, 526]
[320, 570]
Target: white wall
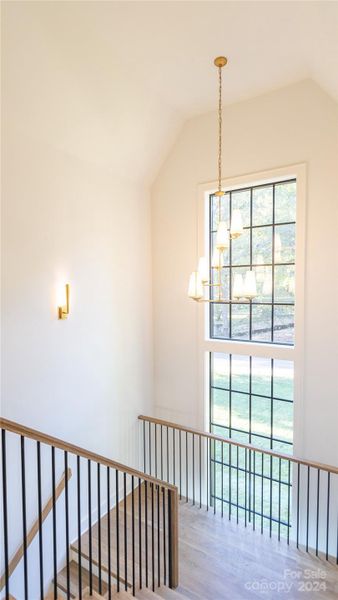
[292, 125]
[84, 379]
[87, 378]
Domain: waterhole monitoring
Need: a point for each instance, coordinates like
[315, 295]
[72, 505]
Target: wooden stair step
[73, 580]
[168, 593]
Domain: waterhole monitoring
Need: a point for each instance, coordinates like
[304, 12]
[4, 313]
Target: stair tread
[73, 580]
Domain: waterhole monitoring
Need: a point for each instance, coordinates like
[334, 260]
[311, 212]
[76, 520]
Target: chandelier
[203, 281]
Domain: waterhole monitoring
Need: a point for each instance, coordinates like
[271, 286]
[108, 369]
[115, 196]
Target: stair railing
[117, 522]
[275, 493]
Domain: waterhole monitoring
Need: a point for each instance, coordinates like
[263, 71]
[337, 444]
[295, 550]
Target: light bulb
[238, 289]
[195, 289]
[236, 228]
[222, 236]
[250, 288]
[217, 258]
[203, 269]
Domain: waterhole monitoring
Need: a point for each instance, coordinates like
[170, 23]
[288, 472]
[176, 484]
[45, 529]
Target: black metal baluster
[158, 537]
[146, 528]
[125, 531]
[230, 478]
[298, 494]
[249, 485]
[89, 478]
[245, 485]
[149, 441]
[262, 495]
[307, 508]
[200, 468]
[237, 486]
[180, 461]
[144, 447]
[78, 478]
[193, 469]
[54, 525]
[161, 451]
[117, 529]
[164, 540]
[108, 533]
[254, 492]
[5, 508]
[140, 532]
[289, 492]
[38, 462]
[66, 527]
[328, 515]
[317, 516]
[155, 441]
[271, 474]
[186, 467]
[174, 456]
[152, 538]
[133, 531]
[168, 471]
[207, 478]
[24, 516]
[214, 481]
[99, 524]
[222, 475]
[279, 494]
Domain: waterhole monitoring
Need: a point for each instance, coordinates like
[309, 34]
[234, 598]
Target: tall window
[251, 389]
[267, 247]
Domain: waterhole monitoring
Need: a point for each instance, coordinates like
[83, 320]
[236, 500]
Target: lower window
[251, 401]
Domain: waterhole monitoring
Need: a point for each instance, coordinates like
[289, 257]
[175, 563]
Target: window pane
[284, 243]
[283, 379]
[284, 284]
[240, 411]
[219, 320]
[262, 245]
[261, 376]
[285, 202]
[283, 420]
[219, 370]
[241, 200]
[240, 373]
[225, 284]
[240, 249]
[283, 327]
[240, 324]
[264, 284]
[262, 205]
[261, 415]
[261, 322]
[224, 200]
[225, 254]
[220, 407]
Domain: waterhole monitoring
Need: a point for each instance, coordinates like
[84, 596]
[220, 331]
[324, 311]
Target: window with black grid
[251, 401]
[267, 247]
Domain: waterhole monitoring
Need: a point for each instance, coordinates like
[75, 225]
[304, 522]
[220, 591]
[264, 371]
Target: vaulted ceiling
[112, 82]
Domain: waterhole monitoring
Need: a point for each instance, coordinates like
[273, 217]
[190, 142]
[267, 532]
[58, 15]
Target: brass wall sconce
[63, 310]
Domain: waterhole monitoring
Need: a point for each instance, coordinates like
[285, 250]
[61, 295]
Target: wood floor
[219, 560]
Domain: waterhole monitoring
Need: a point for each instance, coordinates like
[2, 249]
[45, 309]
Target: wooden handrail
[78, 451]
[35, 527]
[218, 438]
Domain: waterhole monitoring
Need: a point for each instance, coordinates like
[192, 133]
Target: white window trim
[294, 353]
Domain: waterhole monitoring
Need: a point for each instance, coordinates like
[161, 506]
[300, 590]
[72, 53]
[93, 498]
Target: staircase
[168, 532]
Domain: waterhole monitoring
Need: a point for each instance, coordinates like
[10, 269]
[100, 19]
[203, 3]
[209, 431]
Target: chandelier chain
[220, 129]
